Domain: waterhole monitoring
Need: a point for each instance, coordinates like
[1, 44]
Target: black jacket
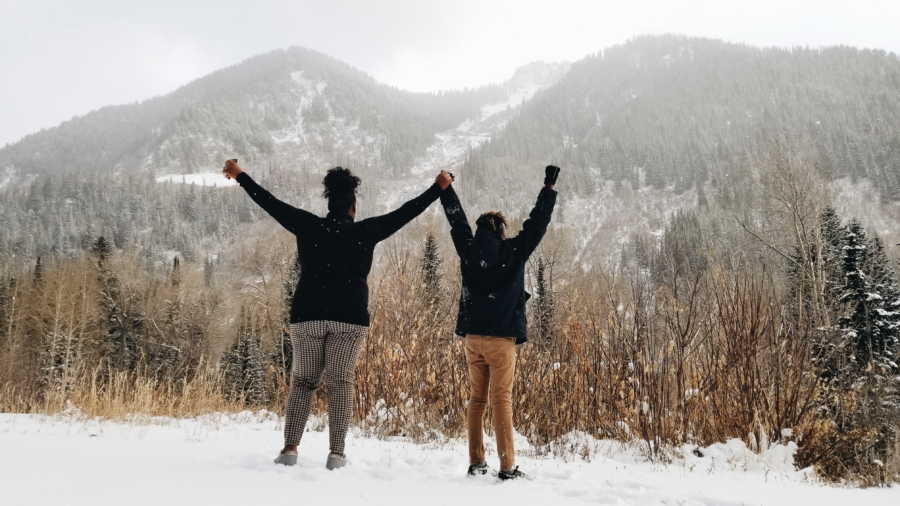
[493, 296]
[334, 254]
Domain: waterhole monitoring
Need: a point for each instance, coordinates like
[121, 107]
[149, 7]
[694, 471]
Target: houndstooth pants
[330, 346]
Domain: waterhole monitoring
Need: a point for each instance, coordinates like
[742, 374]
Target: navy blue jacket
[334, 254]
[493, 296]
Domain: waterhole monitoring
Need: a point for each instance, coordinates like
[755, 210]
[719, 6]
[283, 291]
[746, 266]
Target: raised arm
[460, 230]
[534, 228]
[381, 227]
[291, 218]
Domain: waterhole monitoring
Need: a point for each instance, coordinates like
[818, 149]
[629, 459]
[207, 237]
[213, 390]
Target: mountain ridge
[683, 111]
[643, 130]
[236, 109]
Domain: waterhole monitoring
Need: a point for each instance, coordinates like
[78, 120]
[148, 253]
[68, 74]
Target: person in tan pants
[492, 365]
[492, 314]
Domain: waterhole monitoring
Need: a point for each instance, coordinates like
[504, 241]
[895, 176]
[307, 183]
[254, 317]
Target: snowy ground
[226, 459]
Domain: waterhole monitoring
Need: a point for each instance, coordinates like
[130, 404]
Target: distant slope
[677, 111]
[288, 115]
[642, 130]
[293, 106]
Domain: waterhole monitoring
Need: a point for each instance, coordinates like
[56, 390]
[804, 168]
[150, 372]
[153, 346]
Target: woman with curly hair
[329, 311]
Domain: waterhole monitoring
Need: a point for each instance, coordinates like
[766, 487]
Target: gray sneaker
[288, 458]
[335, 461]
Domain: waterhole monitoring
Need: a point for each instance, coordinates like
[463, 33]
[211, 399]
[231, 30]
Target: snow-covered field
[226, 459]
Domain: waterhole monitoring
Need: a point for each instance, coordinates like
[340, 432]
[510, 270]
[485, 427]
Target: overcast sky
[63, 58]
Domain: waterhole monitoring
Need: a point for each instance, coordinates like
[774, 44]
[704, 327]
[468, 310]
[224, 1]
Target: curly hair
[493, 221]
[340, 189]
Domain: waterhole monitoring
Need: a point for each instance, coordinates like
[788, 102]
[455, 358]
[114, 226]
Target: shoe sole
[286, 460]
[331, 465]
[526, 477]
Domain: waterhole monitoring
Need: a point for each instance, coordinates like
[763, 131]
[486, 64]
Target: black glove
[552, 174]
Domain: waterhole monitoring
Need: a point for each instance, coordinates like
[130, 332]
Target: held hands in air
[231, 169]
[551, 173]
[444, 179]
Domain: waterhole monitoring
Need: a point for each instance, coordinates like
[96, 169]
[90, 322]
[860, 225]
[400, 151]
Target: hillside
[285, 114]
[643, 129]
[291, 106]
[679, 112]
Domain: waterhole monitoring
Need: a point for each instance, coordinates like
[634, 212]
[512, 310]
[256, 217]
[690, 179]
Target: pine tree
[431, 271]
[162, 355]
[123, 329]
[101, 249]
[244, 366]
[283, 355]
[8, 308]
[702, 200]
[123, 326]
[58, 353]
[38, 275]
[5, 307]
[681, 252]
[255, 391]
[884, 293]
[869, 334]
[175, 276]
[815, 276]
[208, 272]
[856, 325]
[825, 262]
[50, 364]
[833, 233]
[883, 283]
[233, 370]
[546, 310]
[882, 277]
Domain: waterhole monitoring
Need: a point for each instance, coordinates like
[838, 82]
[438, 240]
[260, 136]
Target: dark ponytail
[340, 190]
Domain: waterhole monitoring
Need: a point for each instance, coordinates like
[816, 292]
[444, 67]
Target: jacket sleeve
[460, 230]
[381, 227]
[291, 218]
[534, 228]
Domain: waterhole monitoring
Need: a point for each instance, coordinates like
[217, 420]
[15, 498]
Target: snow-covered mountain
[451, 146]
[642, 130]
[294, 108]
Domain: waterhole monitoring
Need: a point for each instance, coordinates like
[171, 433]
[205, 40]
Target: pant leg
[500, 355]
[479, 378]
[307, 339]
[342, 347]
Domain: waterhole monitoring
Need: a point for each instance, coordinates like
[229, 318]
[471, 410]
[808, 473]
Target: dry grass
[698, 363]
[122, 395]
[697, 359]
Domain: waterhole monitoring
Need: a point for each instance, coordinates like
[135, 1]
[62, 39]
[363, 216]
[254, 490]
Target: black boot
[511, 475]
[478, 469]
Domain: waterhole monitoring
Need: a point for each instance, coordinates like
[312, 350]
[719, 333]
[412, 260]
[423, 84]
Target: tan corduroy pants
[492, 364]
